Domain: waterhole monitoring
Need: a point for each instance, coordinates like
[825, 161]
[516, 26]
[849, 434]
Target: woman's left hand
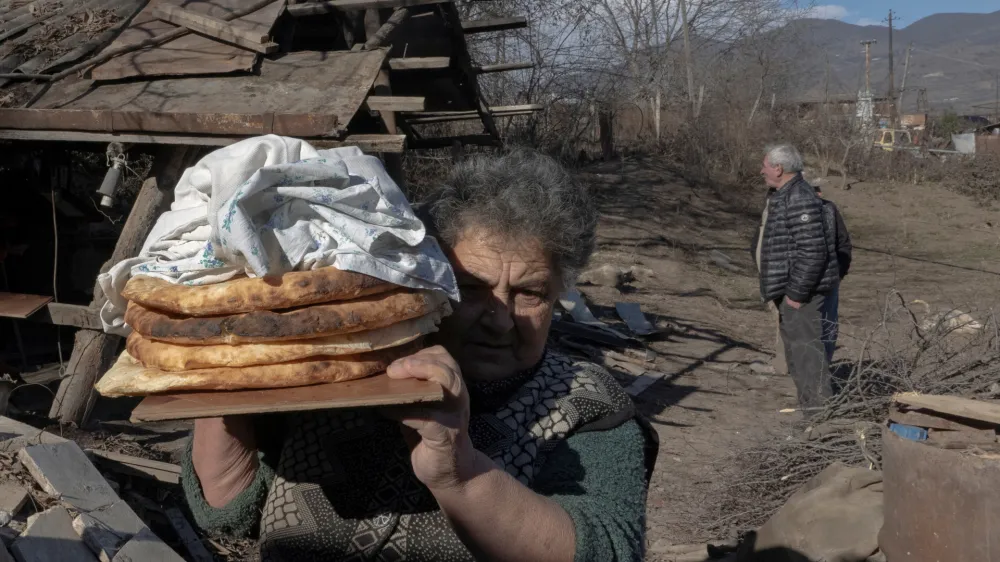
[442, 454]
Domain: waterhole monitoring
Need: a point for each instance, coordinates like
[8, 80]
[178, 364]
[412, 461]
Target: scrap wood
[980, 410]
[187, 535]
[146, 468]
[216, 28]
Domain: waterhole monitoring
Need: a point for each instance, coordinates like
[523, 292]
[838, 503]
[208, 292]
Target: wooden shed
[176, 77]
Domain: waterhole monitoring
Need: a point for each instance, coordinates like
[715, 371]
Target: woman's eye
[530, 298]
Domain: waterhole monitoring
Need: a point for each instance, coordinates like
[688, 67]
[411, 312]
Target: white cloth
[271, 204]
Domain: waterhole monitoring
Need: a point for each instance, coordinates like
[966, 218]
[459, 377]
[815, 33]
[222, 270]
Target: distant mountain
[956, 58]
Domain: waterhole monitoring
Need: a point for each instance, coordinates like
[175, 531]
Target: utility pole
[687, 58]
[868, 64]
[892, 75]
[996, 104]
[902, 87]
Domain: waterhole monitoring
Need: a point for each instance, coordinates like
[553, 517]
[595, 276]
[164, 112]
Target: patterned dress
[344, 488]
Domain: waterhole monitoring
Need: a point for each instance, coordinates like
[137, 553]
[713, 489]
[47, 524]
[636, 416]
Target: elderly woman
[531, 457]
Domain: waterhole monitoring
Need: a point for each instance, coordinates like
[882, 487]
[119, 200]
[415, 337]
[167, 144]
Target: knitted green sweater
[596, 476]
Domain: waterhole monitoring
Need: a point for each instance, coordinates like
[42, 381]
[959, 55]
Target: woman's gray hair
[786, 156]
[519, 194]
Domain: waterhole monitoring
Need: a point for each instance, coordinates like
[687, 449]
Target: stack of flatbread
[304, 327]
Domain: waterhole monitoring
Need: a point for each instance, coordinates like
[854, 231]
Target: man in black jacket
[798, 268]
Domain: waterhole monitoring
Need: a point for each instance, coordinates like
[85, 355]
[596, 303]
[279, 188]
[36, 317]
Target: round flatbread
[127, 377]
[341, 317]
[247, 294]
[175, 357]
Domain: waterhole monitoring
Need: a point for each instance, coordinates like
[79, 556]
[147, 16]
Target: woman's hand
[438, 434]
[224, 455]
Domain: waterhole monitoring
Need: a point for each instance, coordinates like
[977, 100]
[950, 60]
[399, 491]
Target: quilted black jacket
[799, 253]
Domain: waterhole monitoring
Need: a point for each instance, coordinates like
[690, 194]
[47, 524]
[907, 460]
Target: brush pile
[897, 356]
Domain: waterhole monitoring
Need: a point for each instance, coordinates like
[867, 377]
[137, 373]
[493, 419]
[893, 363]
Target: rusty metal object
[939, 504]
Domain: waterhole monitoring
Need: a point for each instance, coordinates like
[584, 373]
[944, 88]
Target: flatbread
[342, 317]
[174, 357]
[246, 294]
[127, 377]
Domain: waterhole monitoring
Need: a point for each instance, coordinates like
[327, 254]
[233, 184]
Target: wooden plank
[177, 51]
[463, 61]
[504, 67]
[420, 63]
[367, 143]
[379, 390]
[953, 405]
[395, 103]
[448, 142]
[62, 314]
[494, 24]
[216, 28]
[919, 419]
[964, 439]
[146, 468]
[18, 305]
[15, 435]
[49, 536]
[147, 547]
[305, 94]
[636, 321]
[333, 6]
[188, 537]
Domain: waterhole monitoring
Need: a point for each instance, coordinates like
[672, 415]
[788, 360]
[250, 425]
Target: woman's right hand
[224, 455]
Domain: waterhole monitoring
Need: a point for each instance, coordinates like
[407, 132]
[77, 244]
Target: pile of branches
[901, 354]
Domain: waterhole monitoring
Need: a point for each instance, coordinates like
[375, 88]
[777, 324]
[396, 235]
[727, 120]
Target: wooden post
[656, 114]
[381, 87]
[93, 350]
[457, 151]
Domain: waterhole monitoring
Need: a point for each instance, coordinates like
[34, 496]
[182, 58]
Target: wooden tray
[379, 390]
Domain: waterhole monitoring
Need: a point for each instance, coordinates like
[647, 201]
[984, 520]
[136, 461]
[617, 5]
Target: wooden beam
[420, 63]
[215, 28]
[462, 116]
[332, 6]
[135, 466]
[395, 103]
[378, 32]
[488, 68]
[367, 143]
[447, 142]
[494, 24]
[382, 36]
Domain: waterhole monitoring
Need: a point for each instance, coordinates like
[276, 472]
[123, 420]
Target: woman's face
[508, 289]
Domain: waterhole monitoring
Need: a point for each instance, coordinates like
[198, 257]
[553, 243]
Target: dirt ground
[923, 241]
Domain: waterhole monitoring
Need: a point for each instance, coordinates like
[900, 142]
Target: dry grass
[897, 356]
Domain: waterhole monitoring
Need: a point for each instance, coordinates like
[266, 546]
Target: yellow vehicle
[894, 139]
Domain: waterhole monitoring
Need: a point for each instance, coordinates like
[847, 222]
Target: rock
[50, 536]
[12, 499]
[762, 368]
[606, 276]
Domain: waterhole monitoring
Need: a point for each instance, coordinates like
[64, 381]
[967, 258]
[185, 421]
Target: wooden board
[367, 143]
[18, 305]
[192, 53]
[952, 405]
[301, 94]
[247, 38]
[495, 24]
[379, 390]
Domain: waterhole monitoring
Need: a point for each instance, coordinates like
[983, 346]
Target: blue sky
[873, 12]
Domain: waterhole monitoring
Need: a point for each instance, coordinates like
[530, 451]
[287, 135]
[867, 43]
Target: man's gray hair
[786, 156]
[519, 194]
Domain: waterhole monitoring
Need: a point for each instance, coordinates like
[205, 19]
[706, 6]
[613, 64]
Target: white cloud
[827, 12]
[868, 21]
